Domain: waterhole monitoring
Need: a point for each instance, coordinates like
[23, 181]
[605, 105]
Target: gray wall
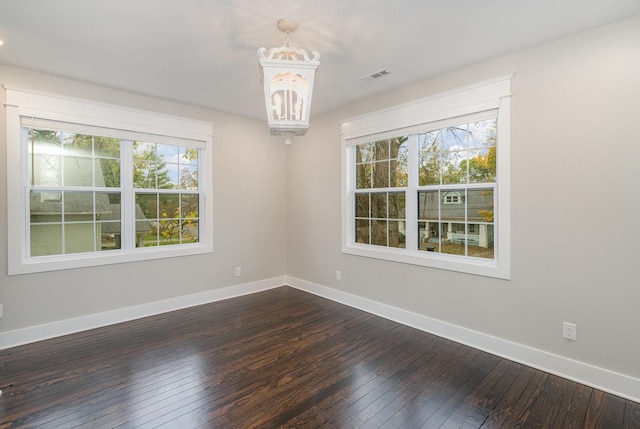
[575, 201]
[249, 221]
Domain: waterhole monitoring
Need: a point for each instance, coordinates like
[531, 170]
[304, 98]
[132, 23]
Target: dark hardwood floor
[284, 358]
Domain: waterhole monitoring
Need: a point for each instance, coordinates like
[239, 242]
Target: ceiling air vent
[375, 75]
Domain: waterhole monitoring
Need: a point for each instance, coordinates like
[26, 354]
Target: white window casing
[26, 108]
[475, 102]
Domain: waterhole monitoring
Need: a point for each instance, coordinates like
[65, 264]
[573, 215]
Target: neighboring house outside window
[451, 198]
[427, 183]
[102, 184]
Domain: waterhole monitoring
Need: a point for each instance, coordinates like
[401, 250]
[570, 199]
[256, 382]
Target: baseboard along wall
[599, 378]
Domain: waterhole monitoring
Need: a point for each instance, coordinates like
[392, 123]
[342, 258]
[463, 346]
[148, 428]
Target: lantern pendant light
[287, 75]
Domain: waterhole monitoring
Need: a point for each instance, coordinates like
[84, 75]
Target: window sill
[84, 260]
[461, 264]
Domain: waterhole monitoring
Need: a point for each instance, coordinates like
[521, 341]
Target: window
[427, 183]
[452, 197]
[95, 184]
[381, 167]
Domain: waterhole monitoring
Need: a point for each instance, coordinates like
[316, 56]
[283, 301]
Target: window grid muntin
[413, 186]
[379, 169]
[392, 219]
[452, 237]
[162, 218]
[66, 188]
[95, 222]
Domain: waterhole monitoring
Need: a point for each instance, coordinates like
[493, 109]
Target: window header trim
[62, 109]
[468, 100]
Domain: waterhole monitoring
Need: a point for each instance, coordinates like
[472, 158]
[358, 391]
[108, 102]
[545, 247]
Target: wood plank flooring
[284, 358]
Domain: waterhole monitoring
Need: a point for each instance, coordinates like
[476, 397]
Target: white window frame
[411, 118]
[24, 103]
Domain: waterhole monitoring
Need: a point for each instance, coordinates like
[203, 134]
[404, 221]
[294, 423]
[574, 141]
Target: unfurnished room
[319, 214]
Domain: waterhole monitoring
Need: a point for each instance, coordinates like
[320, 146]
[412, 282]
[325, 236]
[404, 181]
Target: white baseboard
[70, 326]
[599, 378]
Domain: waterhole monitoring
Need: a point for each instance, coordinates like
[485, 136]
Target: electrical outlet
[238, 271]
[338, 275]
[569, 331]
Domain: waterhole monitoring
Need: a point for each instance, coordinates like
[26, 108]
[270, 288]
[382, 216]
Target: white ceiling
[203, 52]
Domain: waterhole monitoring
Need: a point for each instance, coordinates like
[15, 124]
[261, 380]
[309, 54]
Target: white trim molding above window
[428, 182]
[93, 184]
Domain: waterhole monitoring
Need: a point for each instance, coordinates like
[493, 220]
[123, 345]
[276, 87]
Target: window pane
[78, 171]
[169, 219]
[428, 205]
[78, 206]
[110, 235]
[169, 205]
[149, 239]
[397, 205]
[364, 152]
[168, 153]
[455, 138]
[363, 207]
[482, 134]
[106, 147]
[169, 232]
[454, 241]
[46, 165]
[379, 232]
[362, 231]
[363, 176]
[146, 220]
[480, 205]
[79, 211]
[456, 233]
[452, 206]
[107, 172]
[189, 177]
[46, 239]
[85, 216]
[381, 150]
[79, 237]
[110, 226]
[146, 233]
[481, 242]
[77, 144]
[166, 219]
[167, 166]
[429, 164]
[147, 205]
[189, 156]
[380, 174]
[189, 231]
[397, 234]
[399, 163]
[454, 154]
[379, 205]
[454, 167]
[45, 206]
[144, 174]
[143, 151]
[168, 176]
[189, 207]
[449, 153]
[429, 236]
